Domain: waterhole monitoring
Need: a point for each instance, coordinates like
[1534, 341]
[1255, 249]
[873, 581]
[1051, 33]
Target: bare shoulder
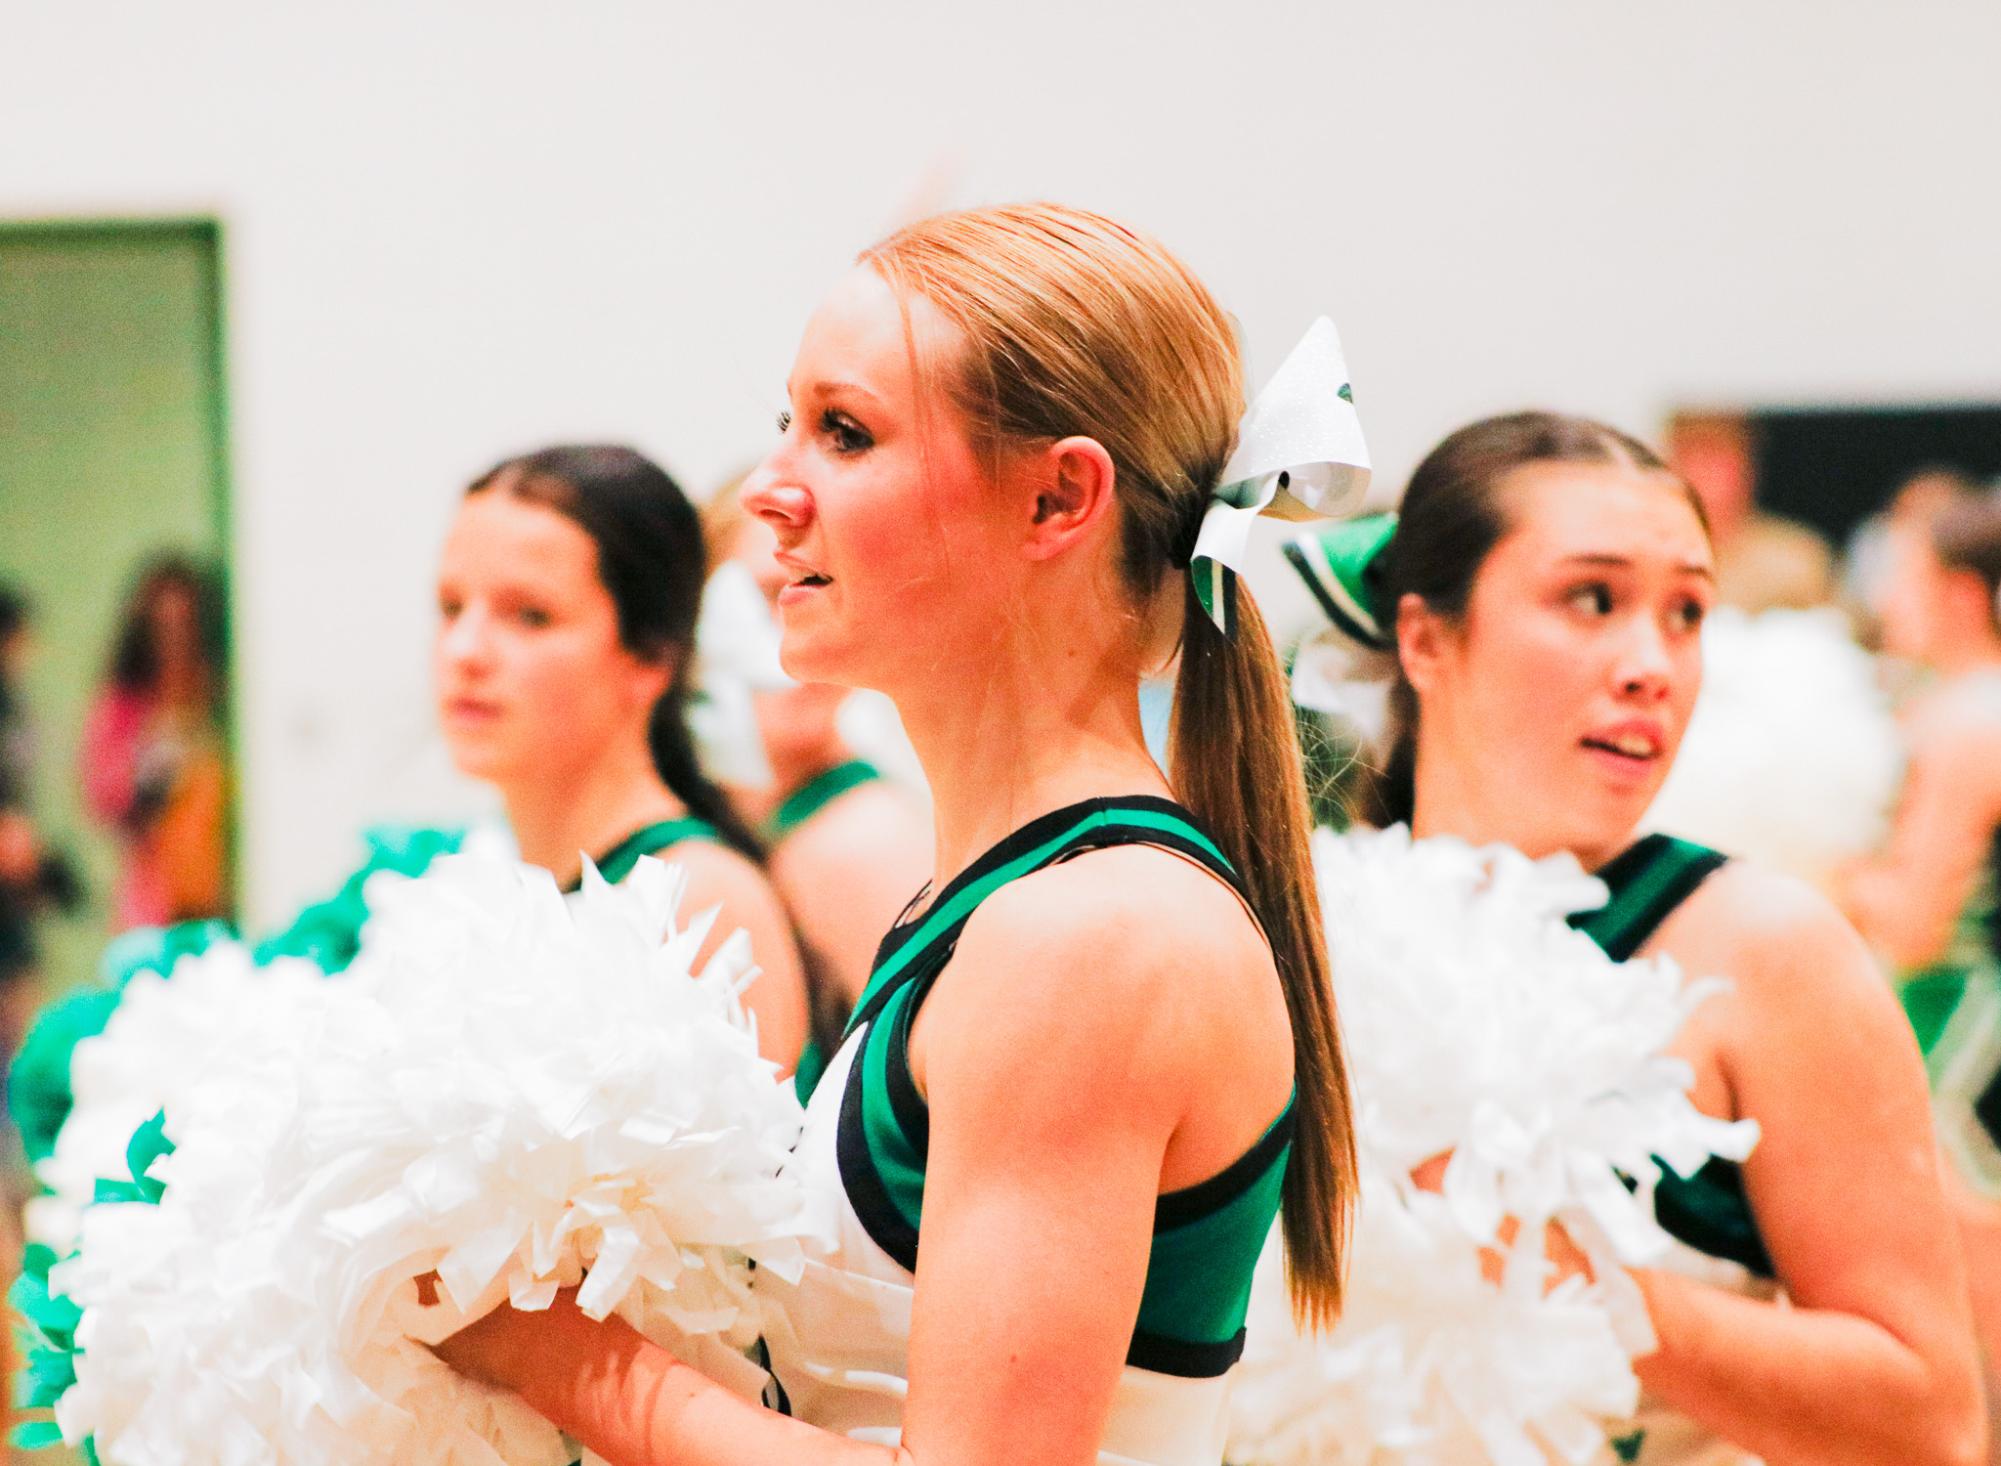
[1785, 947]
[1142, 918]
[1155, 962]
[720, 876]
[865, 829]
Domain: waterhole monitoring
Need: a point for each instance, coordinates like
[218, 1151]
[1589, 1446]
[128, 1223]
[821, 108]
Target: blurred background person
[153, 749]
[33, 878]
[1928, 901]
[1763, 561]
[1869, 556]
[567, 600]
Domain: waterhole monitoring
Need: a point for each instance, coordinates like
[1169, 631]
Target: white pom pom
[165, 1035]
[1479, 1024]
[1793, 757]
[515, 1093]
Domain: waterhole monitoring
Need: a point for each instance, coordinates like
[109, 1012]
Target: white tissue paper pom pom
[514, 1093]
[164, 1035]
[1793, 757]
[1479, 1024]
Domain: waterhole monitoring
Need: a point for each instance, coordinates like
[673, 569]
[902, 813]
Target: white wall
[460, 230]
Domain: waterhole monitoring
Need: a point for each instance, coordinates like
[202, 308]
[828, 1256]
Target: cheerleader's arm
[1906, 898]
[1870, 1361]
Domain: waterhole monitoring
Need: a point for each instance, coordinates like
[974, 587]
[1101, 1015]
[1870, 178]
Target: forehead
[1560, 510]
[494, 533]
[858, 337]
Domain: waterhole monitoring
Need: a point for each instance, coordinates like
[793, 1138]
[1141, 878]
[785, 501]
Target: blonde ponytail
[1078, 325]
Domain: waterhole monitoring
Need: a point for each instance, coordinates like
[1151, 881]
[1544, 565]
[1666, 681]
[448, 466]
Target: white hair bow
[1299, 455]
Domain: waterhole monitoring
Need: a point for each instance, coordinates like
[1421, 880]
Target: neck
[558, 820]
[1027, 736]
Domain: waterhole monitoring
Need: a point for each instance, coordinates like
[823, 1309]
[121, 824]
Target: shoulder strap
[817, 793]
[617, 863]
[1091, 825]
[1647, 883]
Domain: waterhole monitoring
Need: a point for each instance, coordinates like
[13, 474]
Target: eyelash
[1692, 611]
[850, 436]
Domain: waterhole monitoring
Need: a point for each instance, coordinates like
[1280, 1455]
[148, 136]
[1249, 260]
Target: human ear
[650, 677]
[1071, 488]
[1422, 638]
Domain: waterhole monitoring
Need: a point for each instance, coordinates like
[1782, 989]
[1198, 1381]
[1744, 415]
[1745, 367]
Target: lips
[800, 575]
[1637, 743]
[471, 710]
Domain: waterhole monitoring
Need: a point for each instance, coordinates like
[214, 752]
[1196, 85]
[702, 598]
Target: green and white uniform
[815, 795]
[1708, 1214]
[840, 1351]
[617, 863]
[792, 815]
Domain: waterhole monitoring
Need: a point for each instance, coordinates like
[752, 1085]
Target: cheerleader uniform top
[618, 862]
[839, 1345]
[792, 814]
[1708, 1214]
[816, 794]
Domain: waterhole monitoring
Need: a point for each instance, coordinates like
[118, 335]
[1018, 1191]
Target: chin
[478, 760]
[811, 661]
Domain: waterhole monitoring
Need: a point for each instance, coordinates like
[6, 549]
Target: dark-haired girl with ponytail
[1097, 1052]
[1543, 594]
[567, 600]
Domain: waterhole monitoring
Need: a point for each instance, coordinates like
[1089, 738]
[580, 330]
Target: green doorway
[113, 450]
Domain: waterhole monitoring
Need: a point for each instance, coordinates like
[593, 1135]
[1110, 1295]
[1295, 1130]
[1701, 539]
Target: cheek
[561, 677]
[1538, 674]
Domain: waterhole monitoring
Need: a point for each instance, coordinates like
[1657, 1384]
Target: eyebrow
[835, 386]
[1625, 562]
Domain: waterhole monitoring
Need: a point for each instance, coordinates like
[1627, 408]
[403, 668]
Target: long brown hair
[1453, 515]
[1079, 326]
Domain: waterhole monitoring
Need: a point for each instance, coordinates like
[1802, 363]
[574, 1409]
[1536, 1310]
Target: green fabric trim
[810, 1070]
[1929, 999]
[1198, 1277]
[1639, 887]
[816, 794]
[623, 858]
[962, 903]
[899, 1164]
[1710, 1210]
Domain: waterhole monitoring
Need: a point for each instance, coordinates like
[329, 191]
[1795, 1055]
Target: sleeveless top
[1708, 1213]
[839, 1344]
[618, 862]
[792, 814]
[816, 794]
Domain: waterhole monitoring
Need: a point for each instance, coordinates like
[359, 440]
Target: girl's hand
[1565, 1255]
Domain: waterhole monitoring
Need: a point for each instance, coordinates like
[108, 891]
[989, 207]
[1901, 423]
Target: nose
[775, 496]
[1646, 665]
[463, 640]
